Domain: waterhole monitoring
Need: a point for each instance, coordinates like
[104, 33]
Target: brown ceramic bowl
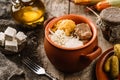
[71, 59]
[100, 73]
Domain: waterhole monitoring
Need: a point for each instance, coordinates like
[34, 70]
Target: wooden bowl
[100, 73]
[71, 59]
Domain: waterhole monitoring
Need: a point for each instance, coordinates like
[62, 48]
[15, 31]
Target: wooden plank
[89, 72]
[81, 10]
[53, 8]
[56, 7]
[59, 8]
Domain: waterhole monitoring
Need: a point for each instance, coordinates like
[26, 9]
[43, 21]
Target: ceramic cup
[71, 59]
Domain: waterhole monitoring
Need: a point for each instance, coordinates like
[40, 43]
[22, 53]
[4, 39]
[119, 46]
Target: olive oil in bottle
[30, 12]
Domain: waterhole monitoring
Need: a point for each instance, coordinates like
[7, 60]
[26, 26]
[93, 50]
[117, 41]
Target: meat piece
[83, 31]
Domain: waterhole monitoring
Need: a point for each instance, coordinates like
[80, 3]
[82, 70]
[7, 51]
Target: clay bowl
[100, 73]
[71, 59]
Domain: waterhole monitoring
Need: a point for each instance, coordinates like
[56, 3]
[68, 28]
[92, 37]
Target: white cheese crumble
[60, 38]
[73, 42]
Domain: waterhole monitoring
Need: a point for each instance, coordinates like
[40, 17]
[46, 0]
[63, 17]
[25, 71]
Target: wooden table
[59, 8]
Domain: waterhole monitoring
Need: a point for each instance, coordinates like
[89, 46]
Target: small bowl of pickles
[107, 66]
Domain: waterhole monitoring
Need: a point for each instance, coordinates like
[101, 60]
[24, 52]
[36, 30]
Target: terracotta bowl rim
[92, 26]
[99, 65]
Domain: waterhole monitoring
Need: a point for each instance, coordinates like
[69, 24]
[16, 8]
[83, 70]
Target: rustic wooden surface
[58, 8]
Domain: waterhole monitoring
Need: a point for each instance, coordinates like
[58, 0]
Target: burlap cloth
[9, 70]
[11, 67]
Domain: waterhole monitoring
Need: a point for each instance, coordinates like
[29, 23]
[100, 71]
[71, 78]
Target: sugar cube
[10, 33]
[2, 38]
[21, 37]
[11, 45]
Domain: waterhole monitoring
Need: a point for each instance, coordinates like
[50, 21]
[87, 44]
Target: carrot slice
[102, 5]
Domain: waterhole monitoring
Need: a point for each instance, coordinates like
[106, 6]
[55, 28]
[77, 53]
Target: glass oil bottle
[29, 12]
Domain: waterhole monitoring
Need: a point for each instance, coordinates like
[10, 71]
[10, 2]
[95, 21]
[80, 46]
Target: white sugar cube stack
[21, 37]
[10, 33]
[11, 45]
[11, 39]
[2, 38]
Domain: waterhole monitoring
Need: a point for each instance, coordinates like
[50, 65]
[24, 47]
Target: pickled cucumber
[117, 50]
[114, 67]
[107, 64]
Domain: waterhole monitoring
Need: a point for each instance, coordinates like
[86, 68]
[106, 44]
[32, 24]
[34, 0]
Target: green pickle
[117, 50]
[107, 64]
[111, 65]
[114, 67]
